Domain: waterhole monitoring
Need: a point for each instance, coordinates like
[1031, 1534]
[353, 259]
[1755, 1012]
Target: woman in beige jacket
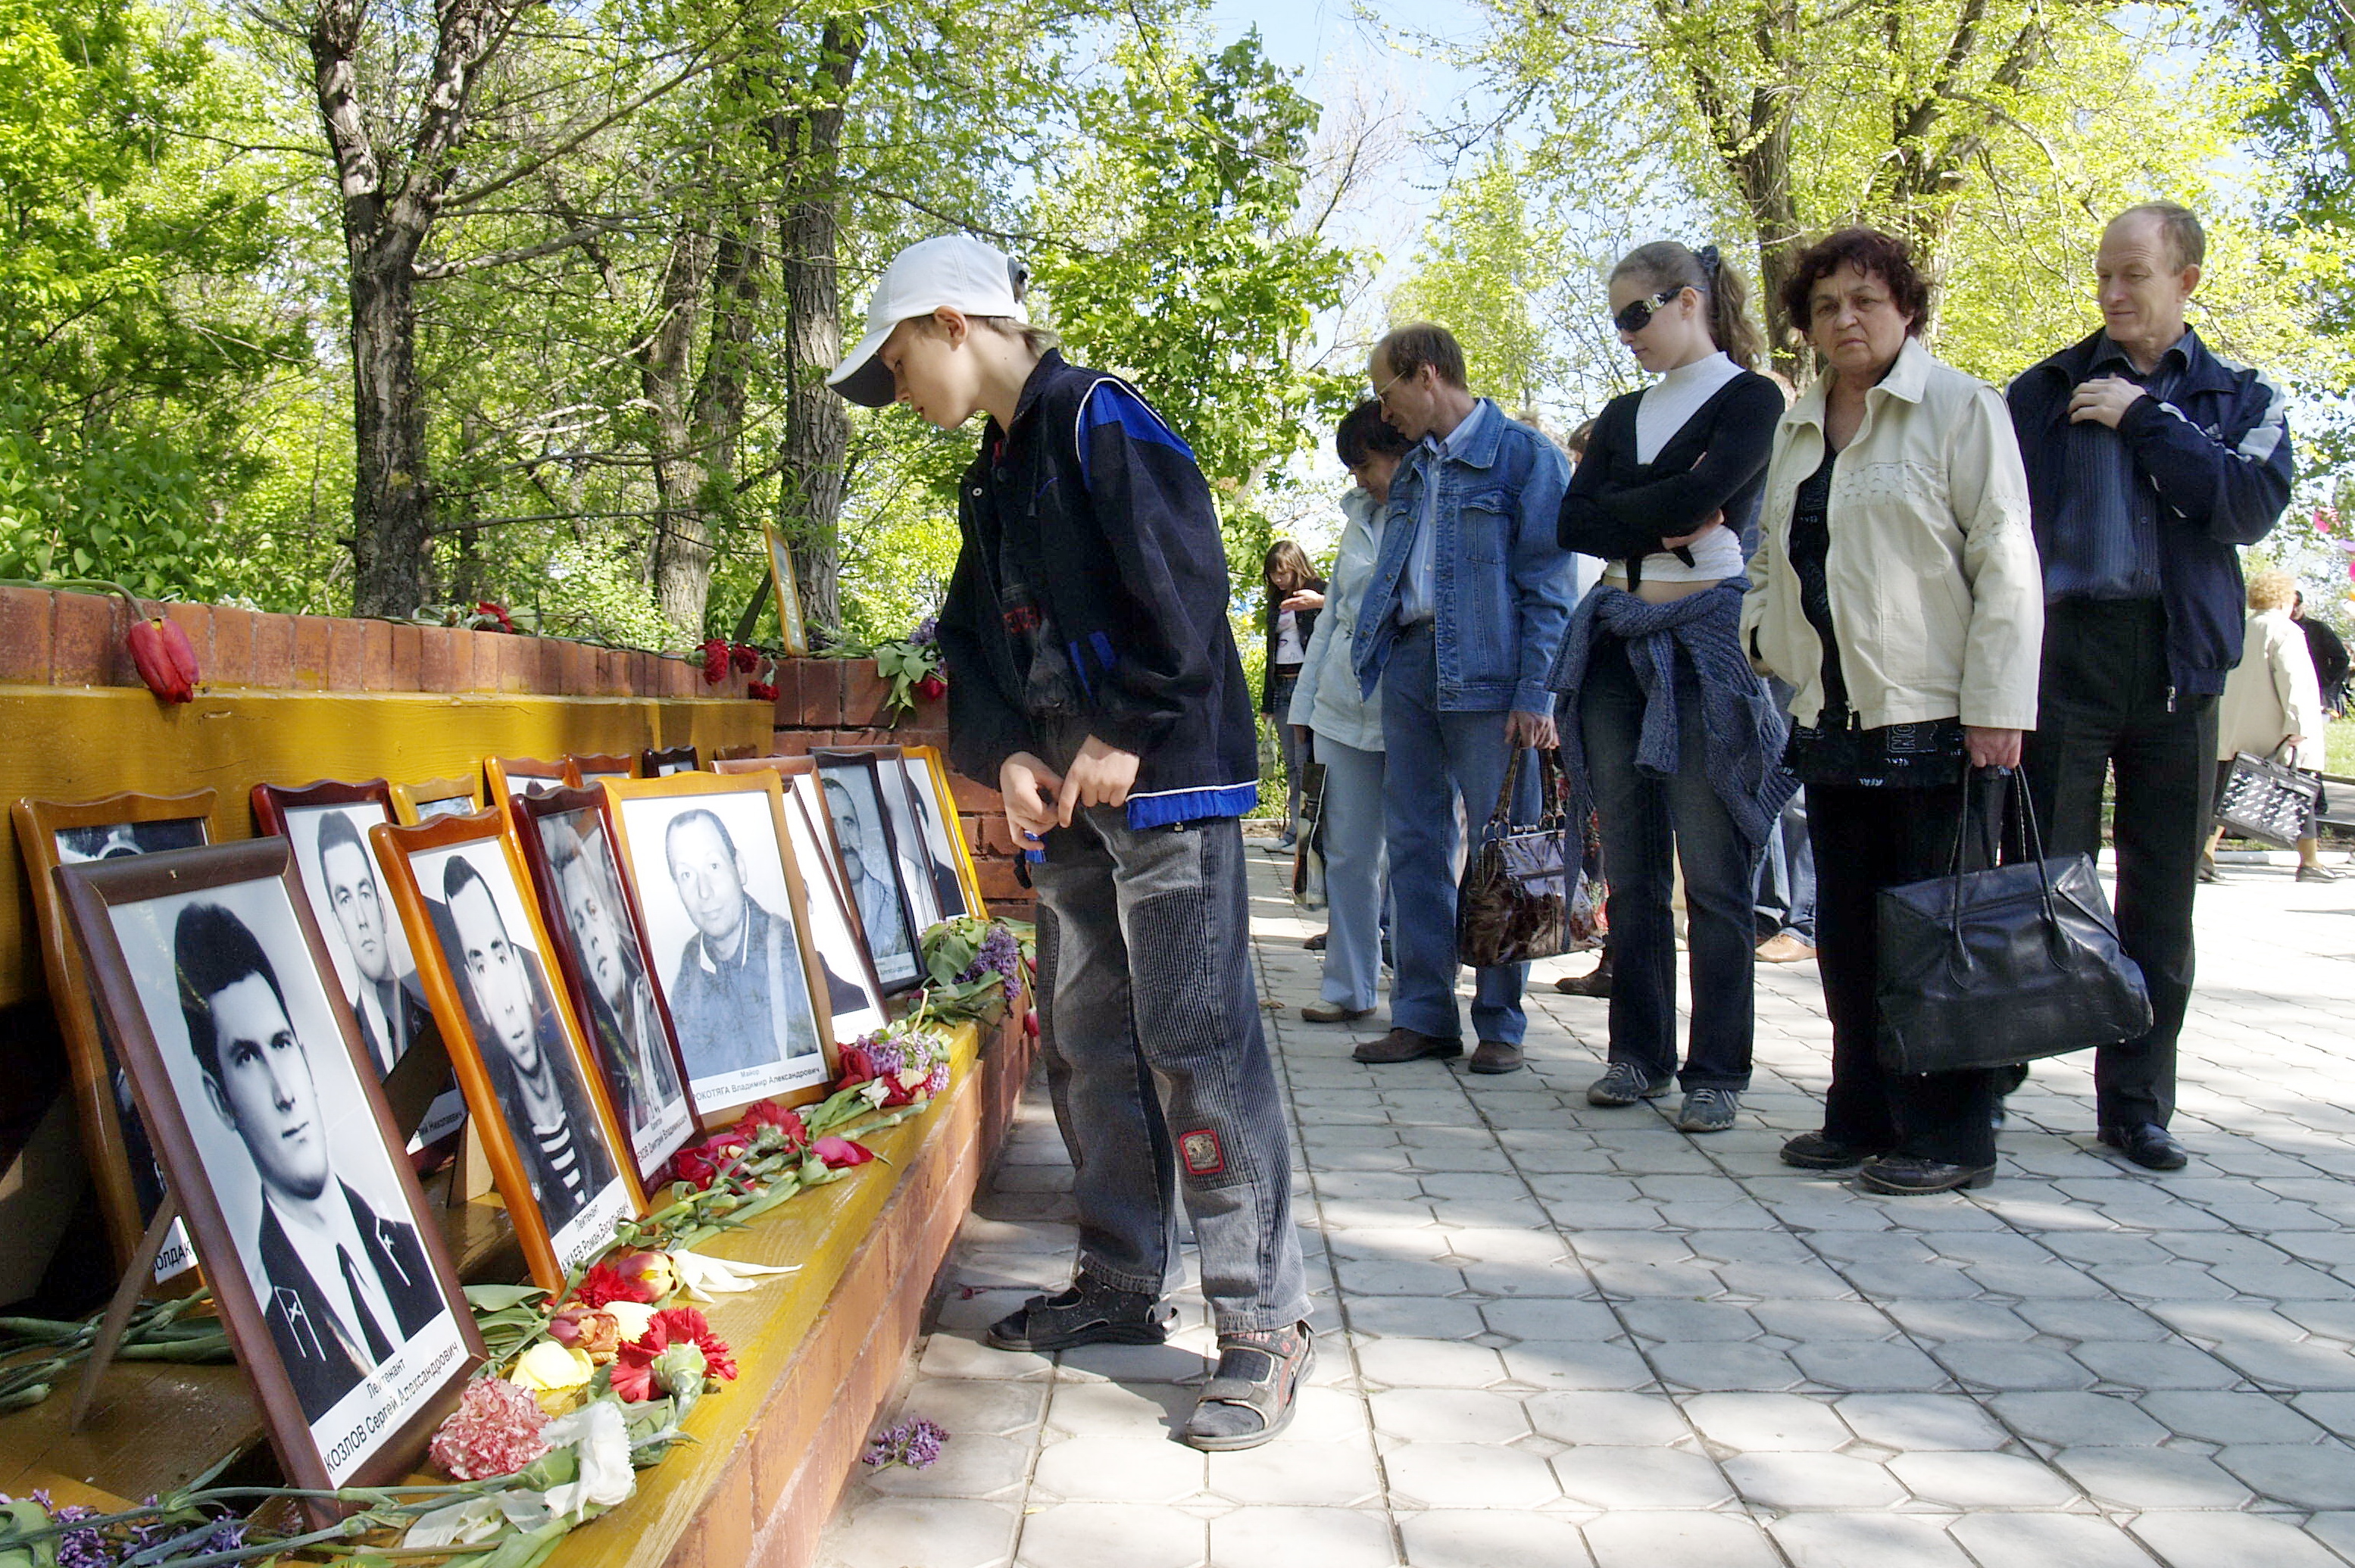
[2272, 702]
[1896, 588]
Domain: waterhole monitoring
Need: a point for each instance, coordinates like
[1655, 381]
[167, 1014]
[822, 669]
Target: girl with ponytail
[1665, 727]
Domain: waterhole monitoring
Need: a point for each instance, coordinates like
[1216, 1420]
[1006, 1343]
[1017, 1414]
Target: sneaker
[1624, 1083]
[1090, 1313]
[1709, 1110]
[1334, 1013]
[1251, 1397]
[2316, 874]
[1783, 948]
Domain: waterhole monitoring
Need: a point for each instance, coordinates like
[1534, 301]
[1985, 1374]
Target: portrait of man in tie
[380, 977]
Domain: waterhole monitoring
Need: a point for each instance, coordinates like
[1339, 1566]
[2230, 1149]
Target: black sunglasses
[1636, 314]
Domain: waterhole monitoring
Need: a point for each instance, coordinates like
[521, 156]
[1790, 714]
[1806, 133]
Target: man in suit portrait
[740, 996]
[342, 1286]
[620, 1002]
[393, 1016]
[547, 1107]
[862, 850]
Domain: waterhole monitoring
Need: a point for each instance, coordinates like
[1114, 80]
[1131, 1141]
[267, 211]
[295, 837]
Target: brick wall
[840, 702]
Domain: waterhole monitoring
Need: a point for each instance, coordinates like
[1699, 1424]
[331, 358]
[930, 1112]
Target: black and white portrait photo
[485, 933]
[625, 1028]
[933, 835]
[446, 806]
[709, 873]
[855, 998]
[115, 840]
[871, 875]
[293, 1155]
[907, 844]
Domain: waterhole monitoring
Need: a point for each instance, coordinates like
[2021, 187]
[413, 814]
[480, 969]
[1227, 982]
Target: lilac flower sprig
[915, 1444]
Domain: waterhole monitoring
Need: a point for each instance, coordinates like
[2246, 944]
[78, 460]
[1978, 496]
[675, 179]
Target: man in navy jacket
[2149, 461]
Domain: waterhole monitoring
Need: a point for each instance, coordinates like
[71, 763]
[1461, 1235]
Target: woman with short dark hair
[1896, 590]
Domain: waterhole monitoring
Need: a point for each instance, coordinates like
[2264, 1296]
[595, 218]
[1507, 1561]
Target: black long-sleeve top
[1620, 509]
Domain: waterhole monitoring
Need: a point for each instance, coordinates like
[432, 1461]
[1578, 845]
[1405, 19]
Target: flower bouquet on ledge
[975, 968]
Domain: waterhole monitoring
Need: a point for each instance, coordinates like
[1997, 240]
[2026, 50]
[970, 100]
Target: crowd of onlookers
[1788, 644]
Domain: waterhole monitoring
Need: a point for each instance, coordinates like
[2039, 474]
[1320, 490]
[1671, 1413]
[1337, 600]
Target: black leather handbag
[2266, 799]
[1996, 967]
[1523, 895]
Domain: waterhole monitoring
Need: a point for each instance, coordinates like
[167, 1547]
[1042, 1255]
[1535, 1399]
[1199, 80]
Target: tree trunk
[392, 506]
[817, 423]
[682, 576]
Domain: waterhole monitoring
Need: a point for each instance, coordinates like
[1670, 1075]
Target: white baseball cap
[954, 269]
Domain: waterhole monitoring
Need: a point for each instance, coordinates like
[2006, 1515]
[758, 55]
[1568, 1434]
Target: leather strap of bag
[2018, 796]
[1553, 791]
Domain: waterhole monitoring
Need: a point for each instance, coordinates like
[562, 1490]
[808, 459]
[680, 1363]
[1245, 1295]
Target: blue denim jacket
[1502, 583]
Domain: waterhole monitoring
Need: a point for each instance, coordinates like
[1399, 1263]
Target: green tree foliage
[1187, 263]
[1490, 270]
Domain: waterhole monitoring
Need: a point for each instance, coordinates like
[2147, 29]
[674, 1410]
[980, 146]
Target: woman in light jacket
[1344, 727]
[1896, 589]
[2272, 701]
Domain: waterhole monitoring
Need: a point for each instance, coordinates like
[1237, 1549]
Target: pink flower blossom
[494, 1431]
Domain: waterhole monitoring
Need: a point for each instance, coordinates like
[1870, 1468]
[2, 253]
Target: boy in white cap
[1093, 674]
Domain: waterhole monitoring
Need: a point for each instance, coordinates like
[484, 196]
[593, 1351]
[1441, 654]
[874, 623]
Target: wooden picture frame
[661, 761]
[503, 776]
[124, 1170]
[428, 798]
[353, 913]
[283, 1153]
[855, 991]
[792, 635]
[945, 828]
[598, 942]
[588, 768]
[746, 1020]
[560, 1160]
[852, 782]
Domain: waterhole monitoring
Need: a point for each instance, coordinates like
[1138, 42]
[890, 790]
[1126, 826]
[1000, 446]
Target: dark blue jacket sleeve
[2232, 487]
[984, 728]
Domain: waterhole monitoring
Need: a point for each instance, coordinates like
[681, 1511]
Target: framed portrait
[852, 988]
[428, 798]
[523, 775]
[601, 955]
[661, 761]
[711, 866]
[327, 826]
[559, 1161]
[950, 825]
[124, 1166]
[852, 786]
[587, 768]
[790, 633]
[937, 833]
[333, 1285]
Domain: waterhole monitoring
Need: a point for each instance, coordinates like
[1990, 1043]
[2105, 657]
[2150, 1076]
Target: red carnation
[497, 612]
[603, 1283]
[699, 1164]
[677, 1350]
[745, 657]
[766, 1115]
[715, 660]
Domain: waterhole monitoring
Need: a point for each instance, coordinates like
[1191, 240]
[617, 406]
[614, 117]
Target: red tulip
[931, 685]
[838, 1153]
[160, 651]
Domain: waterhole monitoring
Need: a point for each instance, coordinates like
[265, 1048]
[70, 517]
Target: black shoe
[1596, 982]
[1090, 1313]
[1403, 1044]
[1907, 1175]
[2150, 1145]
[1315, 943]
[1813, 1151]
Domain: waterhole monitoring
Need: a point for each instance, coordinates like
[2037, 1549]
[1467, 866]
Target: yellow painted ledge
[79, 742]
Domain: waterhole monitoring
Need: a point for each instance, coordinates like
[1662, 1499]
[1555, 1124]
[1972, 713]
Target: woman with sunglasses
[1664, 724]
[1896, 588]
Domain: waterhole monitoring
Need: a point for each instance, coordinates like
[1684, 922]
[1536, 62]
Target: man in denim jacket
[1460, 623]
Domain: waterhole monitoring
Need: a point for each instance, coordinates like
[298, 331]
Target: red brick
[992, 834]
[998, 880]
[485, 665]
[274, 652]
[87, 631]
[932, 712]
[28, 636]
[972, 796]
[437, 649]
[232, 660]
[577, 669]
[312, 634]
[727, 1518]
[864, 693]
[821, 690]
[688, 1552]
[408, 657]
[347, 655]
[375, 656]
[515, 659]
[789, 744]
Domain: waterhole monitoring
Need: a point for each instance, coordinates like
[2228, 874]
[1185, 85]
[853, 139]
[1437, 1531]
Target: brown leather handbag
[1523, 894]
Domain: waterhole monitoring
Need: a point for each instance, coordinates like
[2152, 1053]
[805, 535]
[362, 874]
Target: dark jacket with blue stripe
[2217, 452]
[1090, 544]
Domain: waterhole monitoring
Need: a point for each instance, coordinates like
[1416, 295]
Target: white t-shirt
[1289, 649]
[1664, 408]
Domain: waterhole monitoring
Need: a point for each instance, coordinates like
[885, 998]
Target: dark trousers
[2103, 709]
[1649, 824]
[1865, 840]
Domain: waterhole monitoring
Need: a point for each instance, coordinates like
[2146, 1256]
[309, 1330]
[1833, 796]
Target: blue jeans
[1354, 860]
[1432, 756]
[1649, 824]
[1786, 877]
[1158, 1068]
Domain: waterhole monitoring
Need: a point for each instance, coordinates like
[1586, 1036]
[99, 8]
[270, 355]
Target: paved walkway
[1552, 1335]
